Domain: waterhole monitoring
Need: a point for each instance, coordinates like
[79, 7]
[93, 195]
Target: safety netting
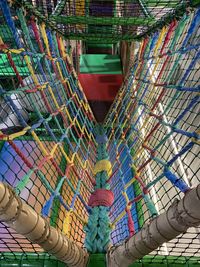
[153, 133]
[49, 144]
[107, 21]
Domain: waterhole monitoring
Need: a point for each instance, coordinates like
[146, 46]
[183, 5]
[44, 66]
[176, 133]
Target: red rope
[37, 35]
[168, 35]
[12, 63]
[136, 199]
[60, 50]
[152, 131]
[57, 167]
[22, 156]
[131, 227]
[101, 197]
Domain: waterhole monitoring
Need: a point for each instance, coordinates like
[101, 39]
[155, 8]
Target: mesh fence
[47, 142]
[153, 131]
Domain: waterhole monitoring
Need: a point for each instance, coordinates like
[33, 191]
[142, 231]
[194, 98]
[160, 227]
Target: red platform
[101, 87]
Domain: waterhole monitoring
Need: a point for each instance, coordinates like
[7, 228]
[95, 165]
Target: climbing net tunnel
[99, 184]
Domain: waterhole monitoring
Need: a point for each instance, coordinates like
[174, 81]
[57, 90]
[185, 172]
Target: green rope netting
[107, 21]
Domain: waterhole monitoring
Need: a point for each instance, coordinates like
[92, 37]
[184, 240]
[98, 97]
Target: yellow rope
[39, 143]
[66, 223]
[44, 36]
[16, 135]
[103, 165]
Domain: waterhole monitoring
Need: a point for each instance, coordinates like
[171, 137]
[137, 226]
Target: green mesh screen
[47, 137]
[107, 21]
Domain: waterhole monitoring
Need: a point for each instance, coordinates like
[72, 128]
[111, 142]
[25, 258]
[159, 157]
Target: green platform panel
[29, 260]
[99, 260]
[6, 35]
[100, 64]
[7, 70]
[95, 260]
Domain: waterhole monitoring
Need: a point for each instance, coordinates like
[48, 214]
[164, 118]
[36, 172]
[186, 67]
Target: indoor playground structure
[99, 133]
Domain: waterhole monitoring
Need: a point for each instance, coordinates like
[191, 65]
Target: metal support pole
[25, 221]
[181, 215]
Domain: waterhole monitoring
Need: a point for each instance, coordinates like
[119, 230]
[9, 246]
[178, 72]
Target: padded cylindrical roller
[187, 208]
[140, 246]
[8, 203]
[176, 220]
[24, 220]
[27, 221]
[147, 236]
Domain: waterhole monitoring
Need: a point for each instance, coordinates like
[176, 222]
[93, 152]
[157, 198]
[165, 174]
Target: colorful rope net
[107, 21]
[47, 142]
[146, 153]
[153, 132]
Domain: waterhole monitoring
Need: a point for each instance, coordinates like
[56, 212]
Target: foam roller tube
[181, 215]
[25, 221]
